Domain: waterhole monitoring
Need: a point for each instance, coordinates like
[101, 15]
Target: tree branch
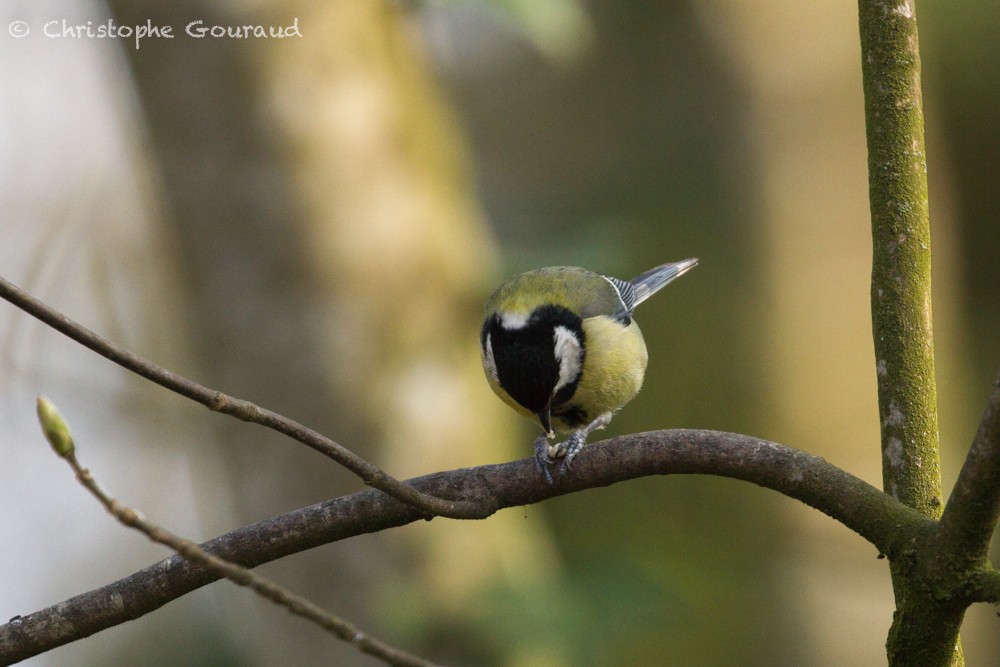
[984, 586]
[58, 434]
[234, 407]
[924, 631]
[884, 522]
[901, 268]
[970, 518]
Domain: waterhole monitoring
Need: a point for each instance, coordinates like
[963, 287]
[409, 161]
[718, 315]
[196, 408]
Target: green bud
[54, 427]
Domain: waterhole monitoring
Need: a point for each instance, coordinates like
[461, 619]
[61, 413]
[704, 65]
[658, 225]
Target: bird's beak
[545, 418]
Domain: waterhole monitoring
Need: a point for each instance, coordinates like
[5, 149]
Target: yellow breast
[613, 370]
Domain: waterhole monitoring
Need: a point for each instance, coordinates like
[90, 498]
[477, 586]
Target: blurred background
[313, 223]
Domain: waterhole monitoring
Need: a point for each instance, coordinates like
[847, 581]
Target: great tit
[559, 345]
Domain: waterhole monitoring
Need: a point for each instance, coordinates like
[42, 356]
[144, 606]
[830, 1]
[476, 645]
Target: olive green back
[584, 292]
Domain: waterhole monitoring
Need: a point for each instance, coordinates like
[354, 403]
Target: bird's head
[535, 355]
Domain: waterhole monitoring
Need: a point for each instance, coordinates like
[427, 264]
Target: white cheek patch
[569, 354]
[511, 321]
[491, 363]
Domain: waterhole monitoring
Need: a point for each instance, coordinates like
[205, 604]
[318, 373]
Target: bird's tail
[649, 283]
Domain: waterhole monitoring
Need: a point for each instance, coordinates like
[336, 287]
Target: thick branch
[234, 407]
[970, 518]
[887, 524]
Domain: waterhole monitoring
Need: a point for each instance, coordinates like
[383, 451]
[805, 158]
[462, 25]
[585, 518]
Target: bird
[560, 346]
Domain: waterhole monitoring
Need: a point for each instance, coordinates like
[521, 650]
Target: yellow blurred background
[313, 222]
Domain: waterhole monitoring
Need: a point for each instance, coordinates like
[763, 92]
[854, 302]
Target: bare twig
[241, 409]
[970, 518]
[58, 436]
[924, 630]
[901, 247]
[884, 522]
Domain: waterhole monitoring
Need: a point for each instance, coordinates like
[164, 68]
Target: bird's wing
[649, 283]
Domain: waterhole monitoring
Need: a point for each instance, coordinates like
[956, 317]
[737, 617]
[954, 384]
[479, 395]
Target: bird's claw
[544, 456]
[571, 447]
[547, 453]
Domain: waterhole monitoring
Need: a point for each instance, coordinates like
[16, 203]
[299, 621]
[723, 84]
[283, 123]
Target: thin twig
[970, 517]
[239, 575]
[241, 409]
[884, 522]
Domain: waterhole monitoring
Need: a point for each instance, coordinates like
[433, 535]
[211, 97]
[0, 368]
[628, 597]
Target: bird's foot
[545, 455]
[570, 448]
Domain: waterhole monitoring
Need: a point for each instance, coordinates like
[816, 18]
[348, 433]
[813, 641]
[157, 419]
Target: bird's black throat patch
[526, 364]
